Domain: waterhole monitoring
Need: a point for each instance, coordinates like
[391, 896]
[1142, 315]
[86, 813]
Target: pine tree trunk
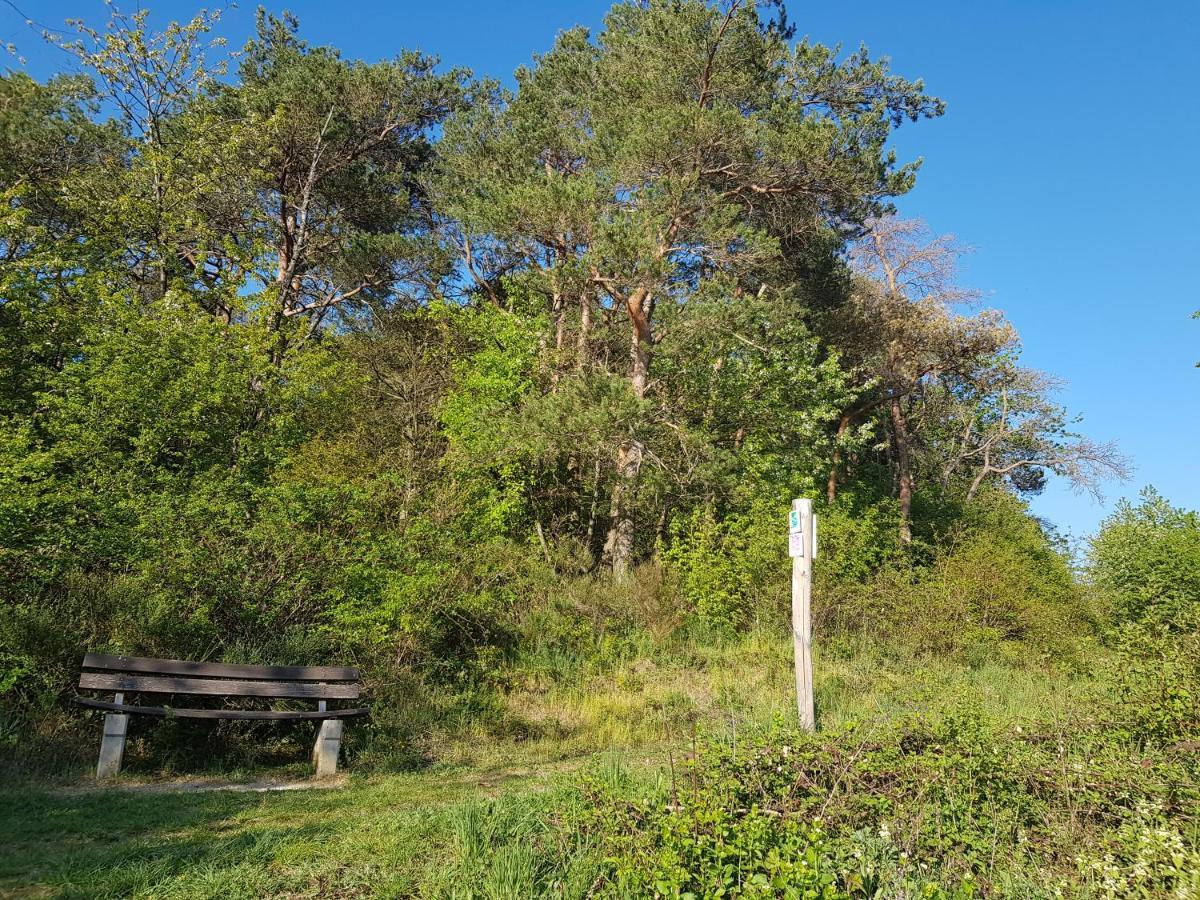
[618, 548]
[835, 468]
[585, 327]
[903, 469]
[560, 322]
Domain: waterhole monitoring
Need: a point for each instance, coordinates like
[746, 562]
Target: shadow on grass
[111, 843]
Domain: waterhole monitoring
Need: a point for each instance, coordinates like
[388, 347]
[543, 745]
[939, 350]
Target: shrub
[999, 581]
[703, 837]
[1146, 857]
[1156, 687]
[732, 571]
[1145, 563]
[735, 571]
[857, 538]
[948, 804]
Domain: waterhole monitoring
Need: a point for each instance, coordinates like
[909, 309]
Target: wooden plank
[270, 714]
[217, 670]
[105, 681]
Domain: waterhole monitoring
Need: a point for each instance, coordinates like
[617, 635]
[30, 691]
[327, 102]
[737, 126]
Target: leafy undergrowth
[929, 779]
[955, 806]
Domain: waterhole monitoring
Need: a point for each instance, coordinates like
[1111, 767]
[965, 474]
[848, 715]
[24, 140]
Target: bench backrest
[177, 676]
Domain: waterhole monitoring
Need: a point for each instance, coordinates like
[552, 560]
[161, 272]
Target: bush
[949, 804]
[857, 538]
[703, 837]
[734, 571]
[998, 583]
[1156, 687]
[1145, 563]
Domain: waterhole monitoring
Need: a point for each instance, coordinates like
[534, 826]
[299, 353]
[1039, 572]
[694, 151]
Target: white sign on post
[796, 544]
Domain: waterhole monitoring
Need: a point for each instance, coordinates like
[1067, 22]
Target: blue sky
[1069, 158]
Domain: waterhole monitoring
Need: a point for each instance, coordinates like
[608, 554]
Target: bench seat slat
[273, 714]
[105, 681]
[217, 670]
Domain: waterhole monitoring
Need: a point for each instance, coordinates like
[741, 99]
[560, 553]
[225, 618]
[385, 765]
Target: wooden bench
[140, 675]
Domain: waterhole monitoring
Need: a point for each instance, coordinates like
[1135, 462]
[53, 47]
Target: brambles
[954, 802]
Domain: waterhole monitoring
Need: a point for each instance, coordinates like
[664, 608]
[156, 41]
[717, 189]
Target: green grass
[654, 696]
[405, 835]
[481, 821]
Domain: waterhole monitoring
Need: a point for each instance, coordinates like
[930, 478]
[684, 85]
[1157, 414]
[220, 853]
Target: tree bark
[984, 470]
[560, 321]
[835, 467]
[903, 468]
[585, 327]
[976, 482]
[641, 341]
[618, 547]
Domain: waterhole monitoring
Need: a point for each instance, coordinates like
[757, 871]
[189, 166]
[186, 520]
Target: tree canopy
[299, 351]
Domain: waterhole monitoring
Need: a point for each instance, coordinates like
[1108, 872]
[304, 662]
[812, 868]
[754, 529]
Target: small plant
[1147, 857]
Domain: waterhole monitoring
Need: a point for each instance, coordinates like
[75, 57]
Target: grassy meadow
[492, 813]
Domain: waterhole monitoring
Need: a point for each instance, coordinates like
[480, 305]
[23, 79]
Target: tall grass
[655, 695]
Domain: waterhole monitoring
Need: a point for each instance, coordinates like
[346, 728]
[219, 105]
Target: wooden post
[112, 744]
[325, 750]
[801, 546]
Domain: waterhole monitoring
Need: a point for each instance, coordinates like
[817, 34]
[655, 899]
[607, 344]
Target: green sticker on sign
[794, 521]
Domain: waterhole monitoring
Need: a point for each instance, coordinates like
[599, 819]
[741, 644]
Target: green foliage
[1145, 561]
[997, 584]
[706, 852]
[305, 359]
[1157, 686]
[1146, 857]
[948, 803]
[733, 572]
[857, 539]
[490, 382]
[711, 561]
[47, 137]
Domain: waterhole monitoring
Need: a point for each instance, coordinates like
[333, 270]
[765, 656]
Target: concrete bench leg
[325, 750]
[112, 745]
